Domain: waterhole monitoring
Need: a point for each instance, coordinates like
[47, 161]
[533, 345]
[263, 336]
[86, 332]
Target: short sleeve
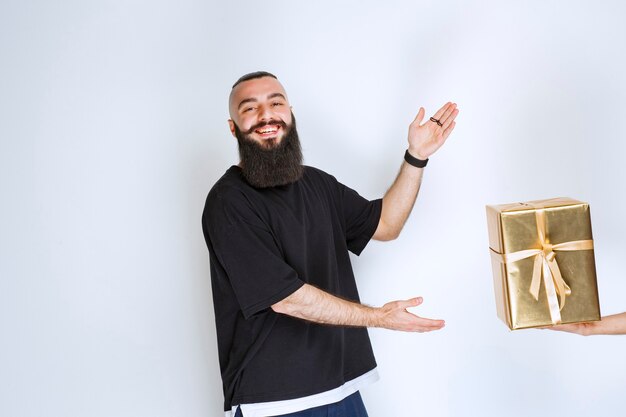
[248, 254]
[361, 218]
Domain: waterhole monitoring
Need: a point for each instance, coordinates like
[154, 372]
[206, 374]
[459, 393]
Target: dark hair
[252, 76]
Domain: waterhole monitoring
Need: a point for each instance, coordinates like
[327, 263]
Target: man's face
[259, 107]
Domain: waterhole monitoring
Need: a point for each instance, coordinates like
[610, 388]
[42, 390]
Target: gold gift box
[543, 262]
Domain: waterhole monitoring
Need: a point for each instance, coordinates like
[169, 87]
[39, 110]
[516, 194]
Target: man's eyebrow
[274, 95]
[246, 100]
[254, 100]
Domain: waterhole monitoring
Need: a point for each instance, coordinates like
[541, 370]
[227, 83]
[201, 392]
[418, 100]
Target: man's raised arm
[424, 140]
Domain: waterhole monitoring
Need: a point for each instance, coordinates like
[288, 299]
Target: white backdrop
[113, 129]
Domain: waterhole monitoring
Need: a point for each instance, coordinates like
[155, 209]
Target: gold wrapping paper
[543, 262]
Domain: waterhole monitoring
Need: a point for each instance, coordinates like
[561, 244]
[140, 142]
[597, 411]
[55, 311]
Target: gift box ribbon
[546, 265]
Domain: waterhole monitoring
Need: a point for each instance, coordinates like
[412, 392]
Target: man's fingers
[423, 325]
[449, 118]
[448, 130]
[428, 325]
[420, 116]
[440, 113]
[449, 110]
[412, 302]
[446, 115]
[436, 323]
[397, 317]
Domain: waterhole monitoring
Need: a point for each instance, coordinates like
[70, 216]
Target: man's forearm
[398, 202]
[424, 140]
[312, 304]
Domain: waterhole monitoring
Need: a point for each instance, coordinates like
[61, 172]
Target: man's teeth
[267, 130]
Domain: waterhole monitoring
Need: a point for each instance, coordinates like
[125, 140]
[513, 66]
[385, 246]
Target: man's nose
[265, 113]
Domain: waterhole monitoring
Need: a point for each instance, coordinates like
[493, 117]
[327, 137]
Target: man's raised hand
[426, 138]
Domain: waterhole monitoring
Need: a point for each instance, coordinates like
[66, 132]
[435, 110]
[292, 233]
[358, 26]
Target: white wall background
[113, 129]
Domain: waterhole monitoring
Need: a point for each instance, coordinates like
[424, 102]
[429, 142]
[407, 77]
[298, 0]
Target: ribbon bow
[545, 261]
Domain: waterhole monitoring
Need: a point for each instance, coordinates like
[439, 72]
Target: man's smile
[267, 131]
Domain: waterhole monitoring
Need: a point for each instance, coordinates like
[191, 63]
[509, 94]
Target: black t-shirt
[264, 244]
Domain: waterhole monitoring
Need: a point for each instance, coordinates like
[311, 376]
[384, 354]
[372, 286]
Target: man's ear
[231, 126]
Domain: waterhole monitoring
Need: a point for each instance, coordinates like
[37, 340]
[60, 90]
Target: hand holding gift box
[613, 324]
[545, 242]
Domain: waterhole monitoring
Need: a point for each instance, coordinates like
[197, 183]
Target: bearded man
[292, 333]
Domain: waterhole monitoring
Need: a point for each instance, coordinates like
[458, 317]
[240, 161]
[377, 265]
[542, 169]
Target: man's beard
[270, 164]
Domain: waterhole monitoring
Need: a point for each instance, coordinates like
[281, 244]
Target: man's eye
[247, 109]
[277, 104]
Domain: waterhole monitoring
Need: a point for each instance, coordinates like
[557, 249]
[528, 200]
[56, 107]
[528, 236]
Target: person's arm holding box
[614, 324]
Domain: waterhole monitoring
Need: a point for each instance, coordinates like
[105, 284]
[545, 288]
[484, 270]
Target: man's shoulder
[230, 189]
[231, 182]
[318, 174]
